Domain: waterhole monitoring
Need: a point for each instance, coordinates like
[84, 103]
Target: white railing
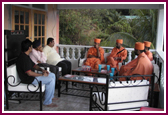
[68, 52]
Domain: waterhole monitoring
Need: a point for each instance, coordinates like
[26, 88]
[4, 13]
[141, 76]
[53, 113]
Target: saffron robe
[94, 62]
[149, 55]
[110, 58]
[141, 66]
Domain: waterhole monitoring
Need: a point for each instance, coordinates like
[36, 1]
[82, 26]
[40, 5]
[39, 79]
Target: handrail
[84, 46]
[73, 54]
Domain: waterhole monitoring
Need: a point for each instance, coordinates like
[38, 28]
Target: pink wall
[6, 16]
[53, 23]
[57, 30]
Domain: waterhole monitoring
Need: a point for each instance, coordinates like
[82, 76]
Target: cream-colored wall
[6, 17]
[53, 23]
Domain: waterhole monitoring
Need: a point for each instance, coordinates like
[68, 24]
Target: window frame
[33, 25]
[31, 11]
[13, 19]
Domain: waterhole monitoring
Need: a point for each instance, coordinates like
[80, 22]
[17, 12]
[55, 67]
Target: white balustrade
[80, 47]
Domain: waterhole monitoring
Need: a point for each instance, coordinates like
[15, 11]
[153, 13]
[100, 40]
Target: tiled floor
[65, 103]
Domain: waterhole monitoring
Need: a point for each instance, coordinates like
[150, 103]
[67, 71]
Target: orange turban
[147, 44]
[139, 46]
[97, 40]
[119, 41]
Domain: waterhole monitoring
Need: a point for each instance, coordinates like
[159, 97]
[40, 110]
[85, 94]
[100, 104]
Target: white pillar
[160, 27]
[159, 48]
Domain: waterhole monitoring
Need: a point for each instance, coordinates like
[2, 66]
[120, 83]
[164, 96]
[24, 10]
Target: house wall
[6, 16]
[53, 23]
[52, 29]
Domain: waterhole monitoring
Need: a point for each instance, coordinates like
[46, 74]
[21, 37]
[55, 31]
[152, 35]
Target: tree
[80, 27]
[145, 25]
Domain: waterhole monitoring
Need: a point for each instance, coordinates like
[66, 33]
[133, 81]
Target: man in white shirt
[54, 58]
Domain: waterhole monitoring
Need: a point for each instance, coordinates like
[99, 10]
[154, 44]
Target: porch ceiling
[110, 6]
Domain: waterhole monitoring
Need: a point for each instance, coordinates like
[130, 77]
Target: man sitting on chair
[141, 65]
[118, 54]
[37, 54]
[25, 68]
[95, 55]
[38, 57]
[54, 58]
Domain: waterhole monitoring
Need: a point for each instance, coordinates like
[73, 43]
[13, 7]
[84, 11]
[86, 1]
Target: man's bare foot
[51, 105]
[54, 98]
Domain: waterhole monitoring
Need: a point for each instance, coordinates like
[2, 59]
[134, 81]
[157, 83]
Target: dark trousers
[66, 67]
[53, 69]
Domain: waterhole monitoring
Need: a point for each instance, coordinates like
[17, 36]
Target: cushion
[105, 56]
[81, 61]
[11, 70]
[126, 94]
[23, 87]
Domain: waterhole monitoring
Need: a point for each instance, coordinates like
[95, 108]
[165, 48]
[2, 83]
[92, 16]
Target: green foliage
[80, 27]
[146, 23]
[129, 41]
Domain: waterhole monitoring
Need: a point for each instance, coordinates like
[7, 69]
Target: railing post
[73, 53]
[67, 53]
[129, 56]
[110, 51]
[79, 53]
[61, 52]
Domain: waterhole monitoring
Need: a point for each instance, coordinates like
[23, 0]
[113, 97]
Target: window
[39, 26]
[21, 19]
[35, 24]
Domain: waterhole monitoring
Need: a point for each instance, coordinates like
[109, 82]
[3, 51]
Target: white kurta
[52, 56]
